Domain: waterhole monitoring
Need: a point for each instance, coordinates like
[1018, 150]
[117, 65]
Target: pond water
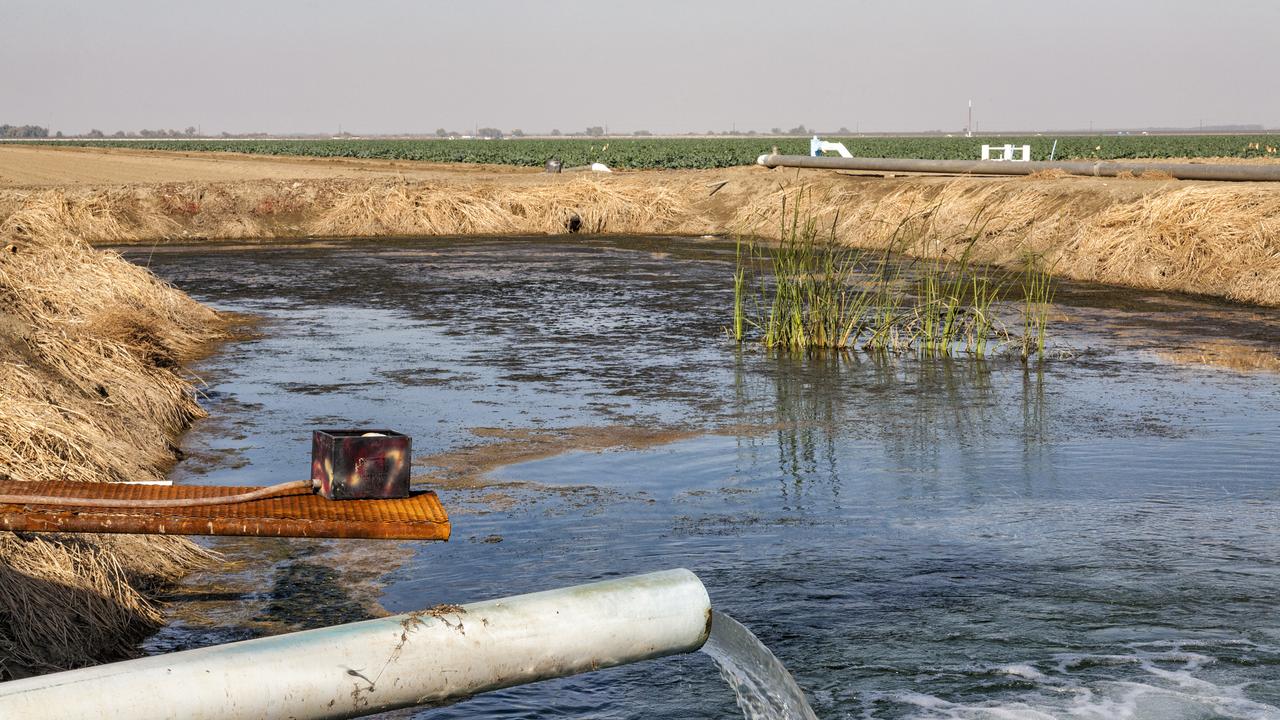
[1097, 536]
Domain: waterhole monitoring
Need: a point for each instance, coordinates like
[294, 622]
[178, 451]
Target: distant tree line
[190, 132]
[23, 131]
[594, 131]
[487, 133]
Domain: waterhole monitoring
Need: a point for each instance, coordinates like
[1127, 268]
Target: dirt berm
[1219, 239]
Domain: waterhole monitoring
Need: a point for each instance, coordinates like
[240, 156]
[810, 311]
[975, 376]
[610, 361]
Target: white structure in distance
[818, 146]
[1007, 153]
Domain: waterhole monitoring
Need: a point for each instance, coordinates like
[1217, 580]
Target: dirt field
[52, 166]
[45, 166]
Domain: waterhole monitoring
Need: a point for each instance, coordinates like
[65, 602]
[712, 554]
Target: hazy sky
[397, 66]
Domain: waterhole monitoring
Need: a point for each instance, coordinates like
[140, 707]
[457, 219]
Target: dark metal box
[357, 464]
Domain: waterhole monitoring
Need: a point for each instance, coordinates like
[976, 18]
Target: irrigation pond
[1094, 536]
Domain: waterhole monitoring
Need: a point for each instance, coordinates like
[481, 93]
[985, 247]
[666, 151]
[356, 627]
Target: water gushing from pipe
[764, 688]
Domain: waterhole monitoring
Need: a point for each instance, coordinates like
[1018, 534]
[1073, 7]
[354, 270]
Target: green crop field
[673, 153]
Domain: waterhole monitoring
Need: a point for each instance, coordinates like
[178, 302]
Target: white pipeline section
[1242, 172]
[368, 667]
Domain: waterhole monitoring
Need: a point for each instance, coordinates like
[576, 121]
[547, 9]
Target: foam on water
[1151, 683]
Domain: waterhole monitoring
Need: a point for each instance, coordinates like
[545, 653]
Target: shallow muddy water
[1095, 537]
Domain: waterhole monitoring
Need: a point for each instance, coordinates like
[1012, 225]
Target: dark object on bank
[554, 165]
[574, 223]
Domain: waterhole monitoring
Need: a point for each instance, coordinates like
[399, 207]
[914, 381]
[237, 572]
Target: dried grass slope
[1218, 239]
[90, 353]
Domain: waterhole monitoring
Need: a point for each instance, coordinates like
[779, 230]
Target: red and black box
[360, 464]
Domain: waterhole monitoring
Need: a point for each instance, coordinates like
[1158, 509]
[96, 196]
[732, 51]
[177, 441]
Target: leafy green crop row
[674, 153]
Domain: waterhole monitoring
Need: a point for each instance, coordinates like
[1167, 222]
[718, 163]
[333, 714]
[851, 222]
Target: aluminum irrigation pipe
[367, 667]
[1179, 171]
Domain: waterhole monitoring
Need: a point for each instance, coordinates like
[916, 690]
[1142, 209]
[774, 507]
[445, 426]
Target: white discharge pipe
[368, 667]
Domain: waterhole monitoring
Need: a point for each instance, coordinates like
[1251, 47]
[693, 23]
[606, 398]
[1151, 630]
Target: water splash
[764, 688]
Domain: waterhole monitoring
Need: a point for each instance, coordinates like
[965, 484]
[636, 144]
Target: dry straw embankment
[1218, 239]
[354, 209]
[90, 347]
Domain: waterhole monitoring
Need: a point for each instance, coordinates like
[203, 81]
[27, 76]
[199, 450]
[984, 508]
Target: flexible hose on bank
[295, 487]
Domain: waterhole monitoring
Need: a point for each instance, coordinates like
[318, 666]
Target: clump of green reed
[955, 304]
[984, 295]
[886, 314]
[809, 292]
[805, 294]
[739, 330]
[939, 310]
[1037, 292]
[954, 310]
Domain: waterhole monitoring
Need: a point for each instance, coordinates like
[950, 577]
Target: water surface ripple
[1098, 537]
